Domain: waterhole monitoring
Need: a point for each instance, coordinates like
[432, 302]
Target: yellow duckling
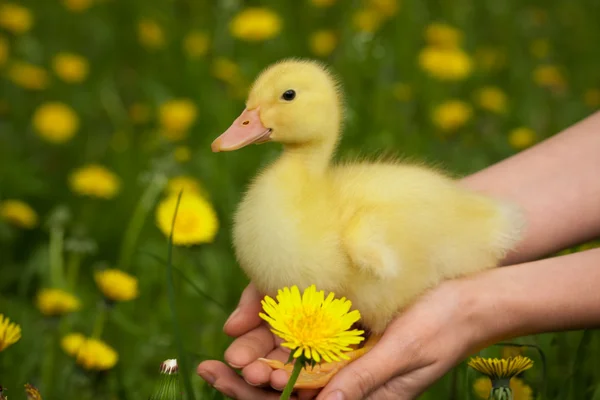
[378, 233]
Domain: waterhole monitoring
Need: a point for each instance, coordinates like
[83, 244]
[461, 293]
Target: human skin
[557, 185]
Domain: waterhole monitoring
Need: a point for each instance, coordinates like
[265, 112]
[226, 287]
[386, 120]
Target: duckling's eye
[288, 95]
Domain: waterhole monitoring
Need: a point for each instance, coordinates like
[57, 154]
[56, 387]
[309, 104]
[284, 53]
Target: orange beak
[245, 130]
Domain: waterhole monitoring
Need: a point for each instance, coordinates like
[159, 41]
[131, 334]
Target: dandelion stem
[287, 392]
[57, 235]
[73, 269]
[100, 320]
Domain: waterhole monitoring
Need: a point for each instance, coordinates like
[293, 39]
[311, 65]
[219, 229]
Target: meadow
[108, 109]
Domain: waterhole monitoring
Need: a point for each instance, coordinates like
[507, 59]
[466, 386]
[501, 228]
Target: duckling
[379, 233]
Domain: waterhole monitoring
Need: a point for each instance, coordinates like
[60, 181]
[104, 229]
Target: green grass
[122, 73]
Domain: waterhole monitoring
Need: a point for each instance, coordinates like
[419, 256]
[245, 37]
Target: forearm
[557, 184]
[554, 294]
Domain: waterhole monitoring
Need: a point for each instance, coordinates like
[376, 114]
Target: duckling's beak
[246, 129]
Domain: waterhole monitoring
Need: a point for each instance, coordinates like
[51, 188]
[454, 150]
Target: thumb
[364, 375]
[245, 317]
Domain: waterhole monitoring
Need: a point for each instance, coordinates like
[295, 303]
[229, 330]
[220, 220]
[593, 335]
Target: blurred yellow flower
[15, 18]
[540, 48]
[445, 63]
[490, 59]
[150, 34]
[521, 138]
[3, 50]
[94, 181]
[226, 70]
[139, 113]
[387, 8]
[18, 213]
[367, 20]
[492, 99]
[52, 302]
[591, 97]
[255, 24]
[452, 115]
[182, 154]
[549, 76]
[185, 183]
[520, 390]
[443, 35]
[55, 122]
[176, 116]
[195, 44]
[322, 3]
[402, 91]
[10, 333]
[71, 68]
[116, 285]
[91, 354]
[77, 5]
[196, 220]
[28, 76]
[323, 42]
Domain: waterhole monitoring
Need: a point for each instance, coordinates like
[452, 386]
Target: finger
[258, 373]
[226, 381]
[250, 346]
[245, 316]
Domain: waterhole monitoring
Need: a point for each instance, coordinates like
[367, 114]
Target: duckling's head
[293, 102]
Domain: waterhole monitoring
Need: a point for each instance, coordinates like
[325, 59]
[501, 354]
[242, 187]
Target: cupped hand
[253, 340]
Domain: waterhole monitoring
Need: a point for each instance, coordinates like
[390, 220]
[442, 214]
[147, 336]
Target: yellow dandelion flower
[185, 183]
[90, 353]
[504, 368]
[94, 181]
[322, 42]
[196, 220]
[521, 138]
[55, 122]
[387, 8]
[195, 44]
[226, 70]
[452, 115]
[549, 76]
[443, 35]
[511, 351]
[150, 34]
[490, 58]
[52, 302]
[71, 68]
[176, 117]
[139, 113]
[591, 97]
[445, 63]
[402, 91]
[116, 285]
[367, 20]
[32, 392]
[322, 3]
[3, 50]
[540, 48]
[312, 324]
[182, 154]
[28, 76]
[10, 333]
[18, 213]
[492, 99]
[520, 390]
[15, 18]
[255, 24]
[77, 5]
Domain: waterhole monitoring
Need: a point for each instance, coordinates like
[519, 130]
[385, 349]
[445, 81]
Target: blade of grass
[171, 296]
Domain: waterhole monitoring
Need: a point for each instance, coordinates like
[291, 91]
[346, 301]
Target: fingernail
[208, 377]
[232, 316]
[337, 395]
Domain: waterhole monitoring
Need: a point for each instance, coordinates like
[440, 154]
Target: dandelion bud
[168, 386]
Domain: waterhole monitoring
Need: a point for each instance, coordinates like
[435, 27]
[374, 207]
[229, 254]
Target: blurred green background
[143, 87]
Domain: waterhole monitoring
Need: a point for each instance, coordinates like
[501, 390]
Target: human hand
[253, 340]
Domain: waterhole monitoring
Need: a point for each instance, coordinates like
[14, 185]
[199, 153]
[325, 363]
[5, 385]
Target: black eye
[288, 95]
